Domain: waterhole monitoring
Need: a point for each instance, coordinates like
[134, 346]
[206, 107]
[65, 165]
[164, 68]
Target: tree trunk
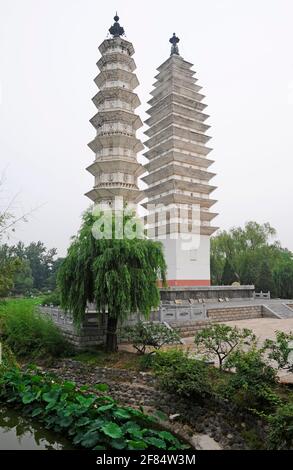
[111, 337]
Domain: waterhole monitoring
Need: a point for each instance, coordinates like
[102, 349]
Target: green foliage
[7, 357]
[23, 280]
[281, 350]
[228, 276]
[265, 281]
[52, 299]
[28, 333]
[281, 428]
[254, 259]
[177, 373]
[38, 267]
[91, 421]
[283, 277]
[154, 335]
[9, 266]
[253, 385]
[220, 340]
[119, 275]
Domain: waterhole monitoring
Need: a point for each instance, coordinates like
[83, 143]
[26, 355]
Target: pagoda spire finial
[116, 30]
[174, 41]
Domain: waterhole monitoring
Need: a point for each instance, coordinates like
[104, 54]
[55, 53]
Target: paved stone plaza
[264, 328]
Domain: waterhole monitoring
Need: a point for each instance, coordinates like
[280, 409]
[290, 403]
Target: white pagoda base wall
[188, 263]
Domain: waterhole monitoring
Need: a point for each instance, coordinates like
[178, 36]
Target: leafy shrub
[220, 340]
[52, 299]
[91, 421]
[253, 383]
[28, 333]
[7, 357]
[281, 428]
[182, 375]
[281, 350]
[156, 335]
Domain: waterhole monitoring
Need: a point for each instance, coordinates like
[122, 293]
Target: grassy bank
[27, 332]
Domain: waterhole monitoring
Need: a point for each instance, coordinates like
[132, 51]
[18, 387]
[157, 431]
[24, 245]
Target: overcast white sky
[242, 51]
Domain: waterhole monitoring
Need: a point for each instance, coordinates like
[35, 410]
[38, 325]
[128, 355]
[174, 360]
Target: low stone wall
[187, 319]
[91, 332]
[206, 293]
[234, 313]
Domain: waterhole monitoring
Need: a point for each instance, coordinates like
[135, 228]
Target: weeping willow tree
[118, 274]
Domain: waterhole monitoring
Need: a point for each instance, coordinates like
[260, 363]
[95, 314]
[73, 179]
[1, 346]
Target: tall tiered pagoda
[178, 172]
[115, 168]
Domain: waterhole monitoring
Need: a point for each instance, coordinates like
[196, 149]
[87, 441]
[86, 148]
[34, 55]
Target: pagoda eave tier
[116, 140]
[117, 93]
[176, 59]
[160, 93]
[208, 230]
[178, 170]
[177, 144]
[116, 58]
[182, 89]
[173, 156]
[173, 118]
[176, 184]
[113, 116]
[119, 164]
[116, 75]
[104, 193]
[202, 230]
[164, 232]
[172, 111]
[179, 100]
[176, 198]
[192, 137]
[117, 43]
[198, 213]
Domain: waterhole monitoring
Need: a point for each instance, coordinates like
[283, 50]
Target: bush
[281, 350]
[182, 375]
[7, 357]
[281, 428]
[52, 299]
[155, 335]
[91, 421]
[253, 383]
[220, 340]
[28, 333]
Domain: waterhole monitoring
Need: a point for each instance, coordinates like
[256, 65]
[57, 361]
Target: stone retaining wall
[223, 422]
[234, 313]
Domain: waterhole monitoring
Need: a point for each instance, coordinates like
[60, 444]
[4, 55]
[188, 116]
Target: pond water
[20, 433]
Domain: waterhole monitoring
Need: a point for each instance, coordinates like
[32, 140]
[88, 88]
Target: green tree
[281, 350]
[283, 279]
[23, 280]
[247, 249]
[265, 281]
[220, 340]
[228, 276]
[119, 275]
[51, 282]
[9, 266]
[41, 261]
[150, 335]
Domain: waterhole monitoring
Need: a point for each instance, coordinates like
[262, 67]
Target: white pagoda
[179, 189]
[115, 168]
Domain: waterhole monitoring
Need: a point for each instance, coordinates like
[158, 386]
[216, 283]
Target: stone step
[281, 309]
